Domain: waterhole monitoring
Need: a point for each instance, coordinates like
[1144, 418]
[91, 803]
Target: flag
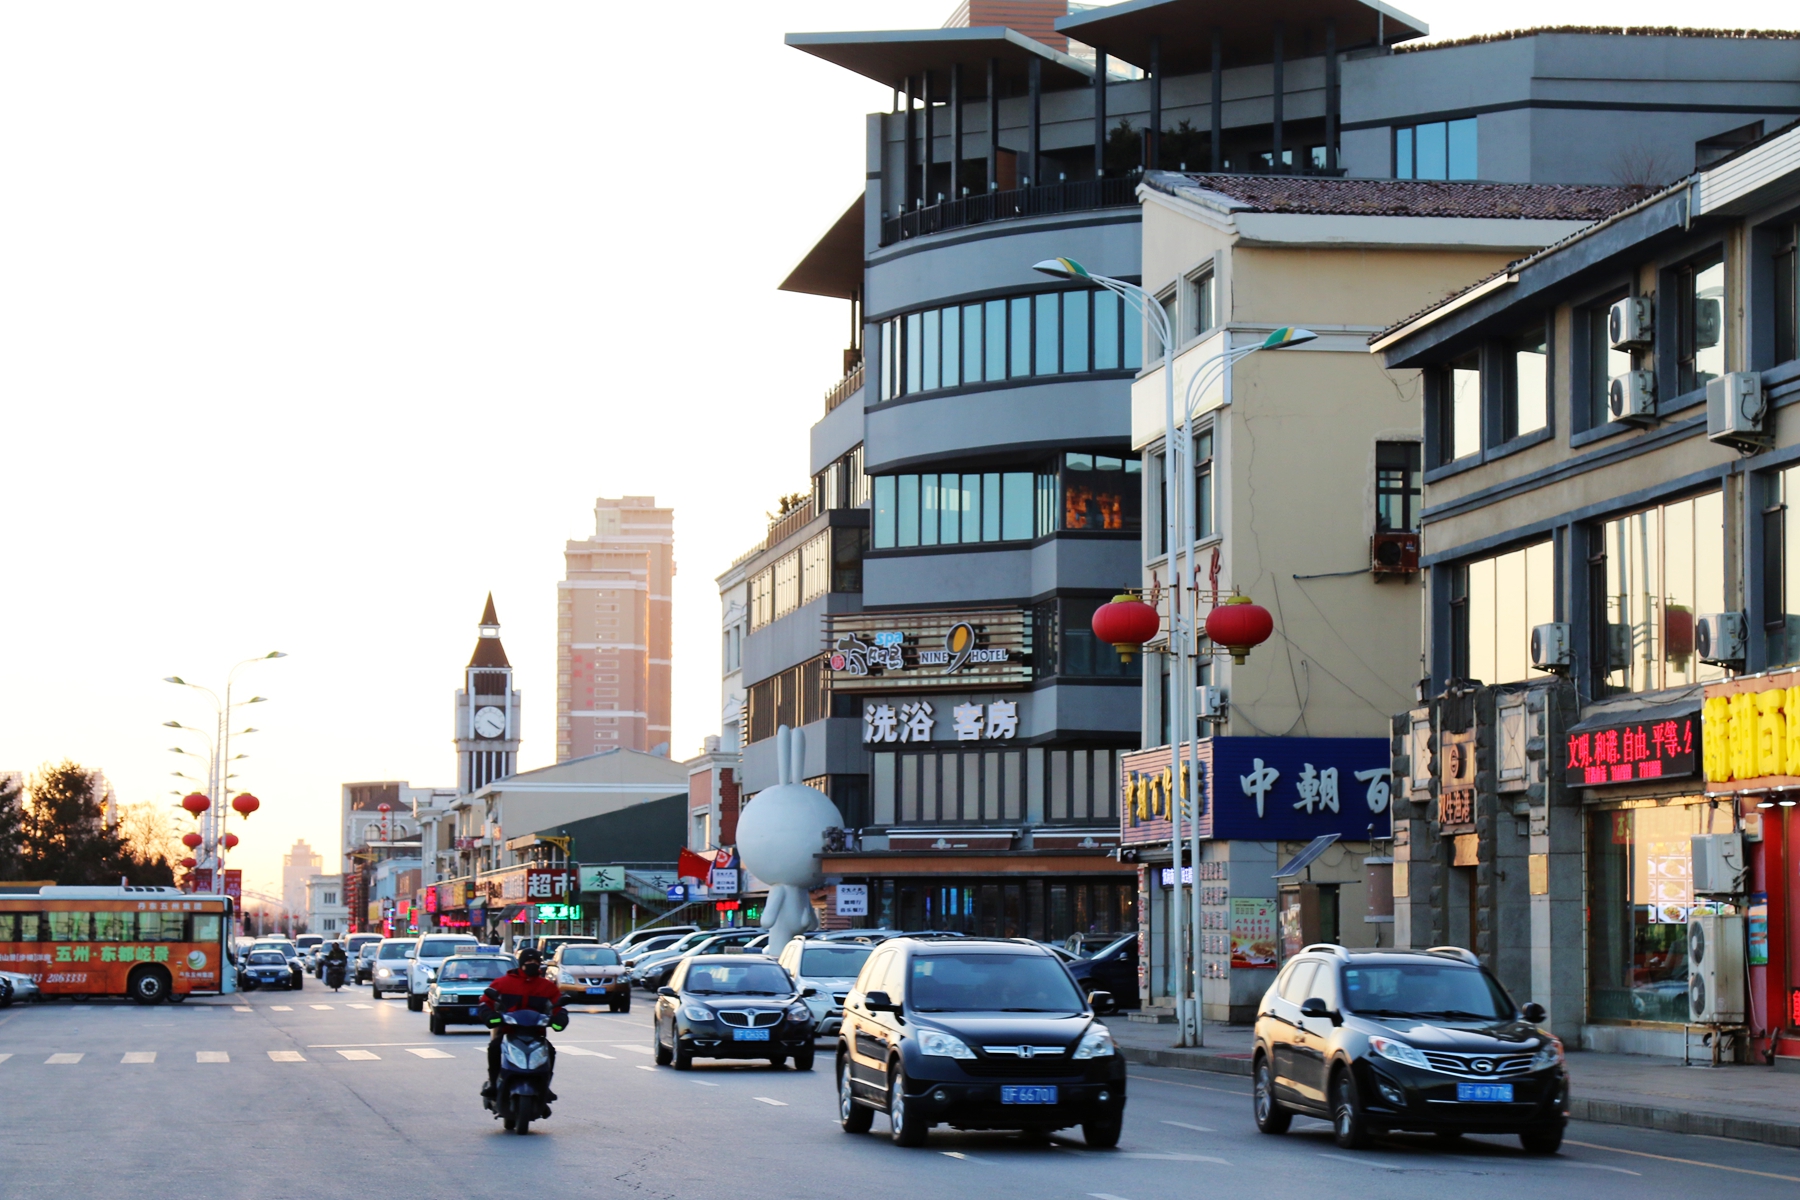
[692, 866]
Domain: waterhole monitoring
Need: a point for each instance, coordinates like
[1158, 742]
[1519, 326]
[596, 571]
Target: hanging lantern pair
[1236, 624]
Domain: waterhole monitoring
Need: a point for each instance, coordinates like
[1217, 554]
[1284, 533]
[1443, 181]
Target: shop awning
[1306, 857]
[1617, 712]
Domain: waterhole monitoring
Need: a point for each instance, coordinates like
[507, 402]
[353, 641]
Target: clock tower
[487, 712]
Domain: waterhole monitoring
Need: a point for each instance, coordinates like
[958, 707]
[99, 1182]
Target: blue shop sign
[1267, 789]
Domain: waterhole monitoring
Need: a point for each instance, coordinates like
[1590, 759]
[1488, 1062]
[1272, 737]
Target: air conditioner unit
[1213, 702]
[1394, 554]
[1715, 946]
[1630, 324]
[1719, 639]
[1736, 414]
[1550, 647]
[1718, 863]
[1631, 397]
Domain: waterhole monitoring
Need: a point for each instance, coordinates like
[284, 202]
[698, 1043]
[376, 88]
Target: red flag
[692, 866]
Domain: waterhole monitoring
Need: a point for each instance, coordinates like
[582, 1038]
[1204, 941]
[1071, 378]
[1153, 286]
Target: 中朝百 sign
[1262, 789]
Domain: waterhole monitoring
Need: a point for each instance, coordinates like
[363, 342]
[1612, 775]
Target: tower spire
[488, 650]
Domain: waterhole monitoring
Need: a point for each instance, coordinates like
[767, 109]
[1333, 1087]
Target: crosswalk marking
[359, 1056]
[139, 1056]
[240, 1008]
[62, 1060]
[362, 1006]
[583, 1050]
[320, 1007]
[281, 1008]
[767, 1100]
[631, 1046]
[211, 1056]
[286, 1056]
[427, 1053]
[4, 1057]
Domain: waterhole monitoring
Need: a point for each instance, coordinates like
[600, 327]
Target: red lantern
[189, 863]
[1239, 626]
[230, 840]
[1127, 623]
[196, 803]
[246, 804]
[192, 840]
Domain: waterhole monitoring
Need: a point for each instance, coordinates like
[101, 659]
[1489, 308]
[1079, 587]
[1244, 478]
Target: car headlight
[1550, 1054]
[942, 1045]
[798, 1011]
[696, 1012]
[1095, 1043]
[431, 974]
[384, 972]
[1399, 1052]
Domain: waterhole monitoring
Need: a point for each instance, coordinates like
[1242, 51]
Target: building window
[762, 598]
[1079, 654]
[1527, 400]
[1397, 487]
[842, 484]
[1100, 493]
[1170, 303]
[1204, 505]
[945, 509]
[1199, 316]
[330, 899]
[1046, 333]
[987, 786]
[1494, 604]
[797, 696]
[1439, 150]
[1604, 363]
[1787, 295]
[1781, 571]
[1652, 572]
[848, 545]
[787, 584]
[1700, 320]
[1458, 389]
[815, 566]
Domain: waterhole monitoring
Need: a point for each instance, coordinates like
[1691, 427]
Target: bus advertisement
[149, 943]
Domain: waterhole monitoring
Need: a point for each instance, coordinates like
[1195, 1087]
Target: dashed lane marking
[425, 1052]
[138, 1056]
[703, 1083]
[321, 1007]
[1686, 1162]
[286, 1056]
[211, 1056]
[631, 1046]
[4, 1057]
[768, 1100]
[1195, 1128]
[359, 1056]
[62, 1060]
[1600, 1167]
[281, 1008]
[585, 1052]
[360, 1006]
[644, 1066]
[242, 1008]
[1105, 1196]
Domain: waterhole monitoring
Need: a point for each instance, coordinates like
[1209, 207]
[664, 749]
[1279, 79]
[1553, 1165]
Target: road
[319, 1095]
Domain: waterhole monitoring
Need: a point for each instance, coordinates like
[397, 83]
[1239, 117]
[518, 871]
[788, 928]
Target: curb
[1581, 1108]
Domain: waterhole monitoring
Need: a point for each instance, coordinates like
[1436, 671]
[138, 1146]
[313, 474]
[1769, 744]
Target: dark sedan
[1426, 1040]
[732, 1006]
[1110, 968]
[266, 967]
[976, 1034]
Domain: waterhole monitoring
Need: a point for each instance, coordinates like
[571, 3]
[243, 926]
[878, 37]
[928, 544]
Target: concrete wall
[793, 639]
[1017, 574]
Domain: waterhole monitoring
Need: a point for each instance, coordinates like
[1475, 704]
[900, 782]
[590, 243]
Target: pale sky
[321, 321]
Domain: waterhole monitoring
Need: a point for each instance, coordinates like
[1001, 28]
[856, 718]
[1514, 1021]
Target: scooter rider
[522, 987]
[335, 962]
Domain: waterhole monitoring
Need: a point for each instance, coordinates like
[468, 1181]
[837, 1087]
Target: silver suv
[391, 958]
[430, 954]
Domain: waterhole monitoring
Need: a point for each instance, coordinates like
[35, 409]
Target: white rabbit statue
[780, 835]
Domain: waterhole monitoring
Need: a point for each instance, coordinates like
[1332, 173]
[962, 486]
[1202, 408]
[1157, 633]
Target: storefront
[1262, 802]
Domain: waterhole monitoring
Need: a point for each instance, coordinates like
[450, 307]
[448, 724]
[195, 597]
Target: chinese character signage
[1456, 782]
[1632, 751]
[1750, 728]
[1262, 789]
[927, 649]
[602, 879]
[544, 884]
[920, 721]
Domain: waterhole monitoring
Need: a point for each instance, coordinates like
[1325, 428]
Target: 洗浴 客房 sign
[1262, 789]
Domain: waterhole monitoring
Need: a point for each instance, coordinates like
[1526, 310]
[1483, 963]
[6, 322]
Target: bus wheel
[148, 985]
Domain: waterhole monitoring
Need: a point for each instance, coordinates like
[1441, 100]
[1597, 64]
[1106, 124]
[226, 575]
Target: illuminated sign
[1632, 751]
[559, 912]
[910, 651]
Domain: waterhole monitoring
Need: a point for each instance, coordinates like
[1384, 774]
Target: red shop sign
[1632, 751]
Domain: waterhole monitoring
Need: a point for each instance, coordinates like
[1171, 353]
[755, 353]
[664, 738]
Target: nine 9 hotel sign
[929, 650]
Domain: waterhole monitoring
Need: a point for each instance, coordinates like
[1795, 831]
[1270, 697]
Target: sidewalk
[1757, 1104]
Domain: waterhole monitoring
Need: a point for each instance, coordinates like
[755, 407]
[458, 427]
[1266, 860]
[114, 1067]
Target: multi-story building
[1610, 631]
[325, 909]
[297, 866]
[614, 633]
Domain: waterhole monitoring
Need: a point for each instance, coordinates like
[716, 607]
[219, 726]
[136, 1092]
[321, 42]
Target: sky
[319, 322]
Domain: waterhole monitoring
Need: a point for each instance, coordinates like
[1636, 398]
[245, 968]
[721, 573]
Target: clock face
[490, 722]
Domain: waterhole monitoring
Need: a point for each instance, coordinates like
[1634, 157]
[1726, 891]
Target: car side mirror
[1315, 1007]
[1534, 1012]
[666, 990]
[880, 1002]
[1102, 1003]
[808, 991]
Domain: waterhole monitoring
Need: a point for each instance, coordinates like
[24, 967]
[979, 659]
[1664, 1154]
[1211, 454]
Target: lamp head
[1288, 335]
[276, 654]
[173, 725]
[256, 700]
[175, 679]
[1062, 268]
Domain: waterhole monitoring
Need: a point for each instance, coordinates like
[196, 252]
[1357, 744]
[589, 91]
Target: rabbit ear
[783, 764]
[797, 764]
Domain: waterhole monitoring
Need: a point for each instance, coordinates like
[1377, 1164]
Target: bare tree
[1640, 165]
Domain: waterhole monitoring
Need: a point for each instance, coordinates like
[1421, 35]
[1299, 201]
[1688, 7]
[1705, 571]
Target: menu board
[1253, 941]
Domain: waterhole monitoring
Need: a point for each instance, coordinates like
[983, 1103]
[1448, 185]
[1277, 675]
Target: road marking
[139, 1056]
[1174, 1157]
[62, 1060]
[359, 1056]
[286, 1056]
[631, 1046]
[703, 1083]
[241, 1008]
[423, 1052]
[584, 1051]
[4, 1057]
[355, 1045]
[767, 1100]
[211, 1056]
[361, 1006]
[1686, 1162]
[1194, 1086]
[281, 1008]
[1195, 1128]
[1600, 1167]
[320, 1007]
[644, 1066]
[1105, 1196]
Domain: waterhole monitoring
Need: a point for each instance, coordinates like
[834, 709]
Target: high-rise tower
[487, 711]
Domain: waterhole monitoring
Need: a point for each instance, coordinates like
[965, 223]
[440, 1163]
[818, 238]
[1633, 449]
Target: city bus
[149, 943]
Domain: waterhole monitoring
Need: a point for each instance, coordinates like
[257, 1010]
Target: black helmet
[530, 957]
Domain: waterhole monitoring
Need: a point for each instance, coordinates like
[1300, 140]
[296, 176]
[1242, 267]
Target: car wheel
[1547, 1140]
[437, 1024]
[903, 1127]
[299, 982]
[803, 1061]
[1102, 1133]
[415, 1003]
[1348, 1125]
[778, 1061]
[684, 1057]
[663, 1054]
[853, 1117]
[1271, 1117]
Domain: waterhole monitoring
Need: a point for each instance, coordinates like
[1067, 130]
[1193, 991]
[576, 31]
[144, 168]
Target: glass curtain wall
[1656, 569]
[1013, 337]
[1491, 620]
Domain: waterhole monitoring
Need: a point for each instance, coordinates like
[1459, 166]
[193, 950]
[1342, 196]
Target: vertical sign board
[234, 884]
[852, 899]
[724, 881]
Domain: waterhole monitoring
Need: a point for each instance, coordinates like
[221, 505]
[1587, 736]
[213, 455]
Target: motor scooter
[334, 973]
[522, 1093]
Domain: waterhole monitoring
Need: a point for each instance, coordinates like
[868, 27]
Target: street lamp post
[1183, 645]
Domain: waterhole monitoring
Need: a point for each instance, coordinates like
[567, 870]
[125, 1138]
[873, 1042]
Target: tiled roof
[1407, 197]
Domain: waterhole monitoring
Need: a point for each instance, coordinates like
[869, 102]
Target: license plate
[596, 991]
[1028, 1095]
[1485, 1093]
[749, 1035]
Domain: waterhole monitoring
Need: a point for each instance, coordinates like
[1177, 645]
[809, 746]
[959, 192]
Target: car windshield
[439, 948]
[992, 983]
[368, 950]
[394, 950]
[589, 956]
[738, 979]
[833, 962]
[267, 958]
[281, 948]
[1425, 989]
[457, 970]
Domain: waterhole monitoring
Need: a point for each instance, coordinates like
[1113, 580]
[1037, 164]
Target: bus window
[69, 926]
[9, 927]
[114, 926]
[160, 926]
[30, 926]
[206, 928]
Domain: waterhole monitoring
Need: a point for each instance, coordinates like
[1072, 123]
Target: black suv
[978, 1034]
[1375, 1040]
[732, 1006]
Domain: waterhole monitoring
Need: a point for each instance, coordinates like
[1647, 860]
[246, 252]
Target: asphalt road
[318, 1095]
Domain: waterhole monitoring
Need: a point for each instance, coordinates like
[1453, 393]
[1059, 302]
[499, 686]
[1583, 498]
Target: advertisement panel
[548, 884]
[1263, 789]
[932, 649]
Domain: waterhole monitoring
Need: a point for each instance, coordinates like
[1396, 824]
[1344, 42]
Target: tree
[12, 828]
[152, 837]
[68, 838]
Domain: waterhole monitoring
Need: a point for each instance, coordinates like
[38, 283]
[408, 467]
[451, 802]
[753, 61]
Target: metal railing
[782, 528]
[1044, 200]
[845, 388]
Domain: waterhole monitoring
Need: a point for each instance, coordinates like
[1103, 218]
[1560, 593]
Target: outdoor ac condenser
[1736, 414]
[1718, 863]
[1715, 945]
[1631, 397]
[1629, 323]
